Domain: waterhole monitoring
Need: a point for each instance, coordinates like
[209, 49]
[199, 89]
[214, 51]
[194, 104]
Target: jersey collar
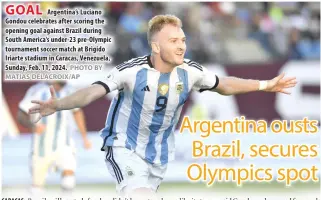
[150, 62]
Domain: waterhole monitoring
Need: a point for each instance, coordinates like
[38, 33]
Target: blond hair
[158, 22]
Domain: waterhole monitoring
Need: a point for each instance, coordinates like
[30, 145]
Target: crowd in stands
[288, 30]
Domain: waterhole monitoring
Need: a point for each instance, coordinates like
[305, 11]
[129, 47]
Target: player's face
[172, 45]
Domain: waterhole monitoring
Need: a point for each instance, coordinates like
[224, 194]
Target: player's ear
[155, 47]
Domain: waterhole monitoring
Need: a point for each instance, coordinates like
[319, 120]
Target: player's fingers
[289, 85]
[52, 92]
[37, 102]
[293, 82]
[289, 79]
[278, 78]
[285, 92]
[34, 109]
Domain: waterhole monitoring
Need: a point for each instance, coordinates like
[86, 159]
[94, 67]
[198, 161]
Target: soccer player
[52, 145]
[138, 136]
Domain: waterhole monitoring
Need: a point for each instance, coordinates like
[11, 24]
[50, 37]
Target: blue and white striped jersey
[144, 114]
[56, 134]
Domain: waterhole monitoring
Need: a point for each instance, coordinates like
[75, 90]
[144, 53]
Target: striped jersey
[143, 116]
[56, 134]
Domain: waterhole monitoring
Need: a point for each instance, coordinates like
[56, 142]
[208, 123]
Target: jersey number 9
[161, 102]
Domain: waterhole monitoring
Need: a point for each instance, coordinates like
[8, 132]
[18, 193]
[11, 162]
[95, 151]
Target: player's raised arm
[233, 85]
[78, 99]
[114, 81]
[208, 81]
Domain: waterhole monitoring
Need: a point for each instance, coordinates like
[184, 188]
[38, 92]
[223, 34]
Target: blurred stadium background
[247, 40]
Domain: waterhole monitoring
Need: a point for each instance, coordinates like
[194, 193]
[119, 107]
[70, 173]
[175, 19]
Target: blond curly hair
[158, 22]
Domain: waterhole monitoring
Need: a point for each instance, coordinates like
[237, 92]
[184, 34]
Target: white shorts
[131, 171]
[62, 159]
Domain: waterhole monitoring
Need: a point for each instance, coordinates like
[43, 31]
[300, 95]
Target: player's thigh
[156, 176]
[127, 168]
[39, 170]
[66, 160]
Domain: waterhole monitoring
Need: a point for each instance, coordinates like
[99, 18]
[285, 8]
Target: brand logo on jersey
[163, 89]
[146, 88]
[179, 87]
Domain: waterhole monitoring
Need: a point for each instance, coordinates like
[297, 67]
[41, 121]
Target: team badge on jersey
[179, 87]
[129, 171]
[163, 89]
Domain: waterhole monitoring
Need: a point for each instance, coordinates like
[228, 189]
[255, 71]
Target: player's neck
[160, 65]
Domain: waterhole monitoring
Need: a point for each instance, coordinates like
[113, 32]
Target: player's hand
[280, 84]
[39, 128]
[87, 144]
[45, 108]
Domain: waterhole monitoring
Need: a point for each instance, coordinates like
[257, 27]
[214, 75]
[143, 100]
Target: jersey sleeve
[115, 80]
[206, 80]
[32, 94]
